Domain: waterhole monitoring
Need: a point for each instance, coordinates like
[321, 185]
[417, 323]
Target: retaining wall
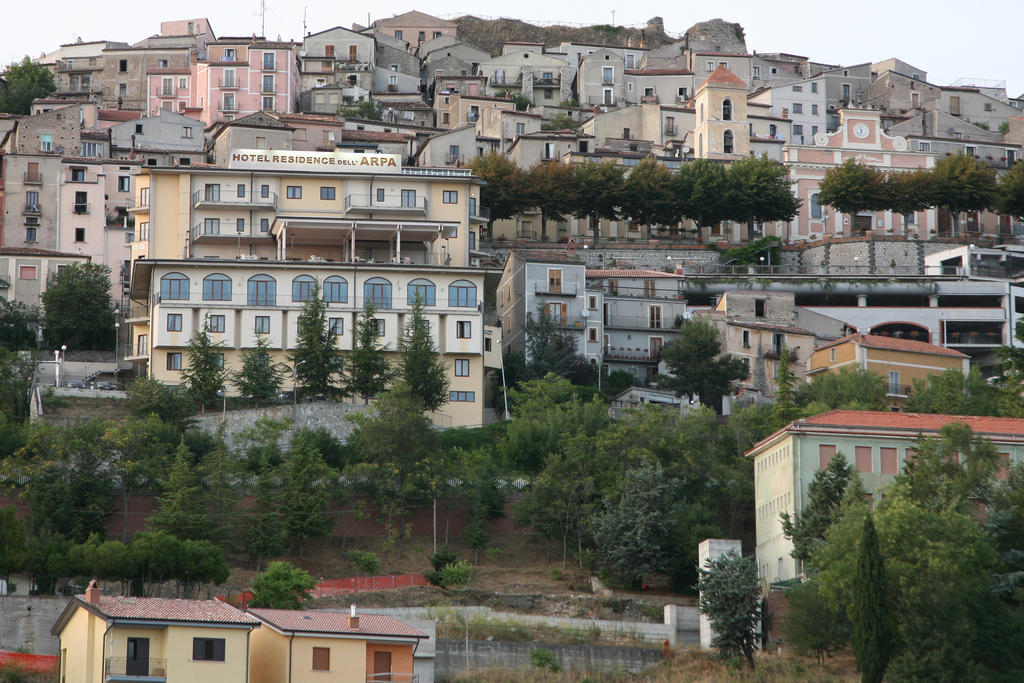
[452, 658]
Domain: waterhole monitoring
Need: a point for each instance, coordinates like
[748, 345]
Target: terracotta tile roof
[722, 76]
[181, 71]
[875, 341]
[722, 54]
[546, 256]
[325, 118]
[32, 251]
[118, 115]
[659, 72]
[58, 100]
[629, 273]
[309, 621]
[168, 609]
[374, 136]
[770, 327]
[915, 421]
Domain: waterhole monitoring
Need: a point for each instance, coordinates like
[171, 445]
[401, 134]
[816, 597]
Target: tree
[911, 191]
[552, 189]
[695, 367]
[952, 393]
[848, 389]
[18, 325]
[306, 485]
[16, 373]
[551, 350]
[761, 192]
[204, 376]
[421, 369]
[282, 586]
[633, 533]
[315, 358]
[824, 496]
[563, 121]
[23, 82]
[648, 195]
[148, 396]
[77, 309]
[1011, 192]
[600, 191]
[363, 109]
[785, 409]
[730, 596]
[259, 377]
[182, 508]
[367, 370]
[869, 611]
[504, 189]
[964, 183]
[812, 625]
[854, 187]
[704, 191]
[13, 548]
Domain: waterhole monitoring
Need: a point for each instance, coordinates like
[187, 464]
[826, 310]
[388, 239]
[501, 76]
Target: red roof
[881, 419]
[374, 136]
[876, 341]
[308, 621]
[722, 76]
[118, 115]
[167, 609]
[629, 273]
[659, 72]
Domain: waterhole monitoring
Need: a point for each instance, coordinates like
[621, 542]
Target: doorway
[137, 657]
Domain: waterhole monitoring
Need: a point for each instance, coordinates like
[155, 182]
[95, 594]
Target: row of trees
[705, 192]
[957, 184]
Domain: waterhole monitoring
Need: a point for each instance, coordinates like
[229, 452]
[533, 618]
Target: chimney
[92, 593]
[353, 620]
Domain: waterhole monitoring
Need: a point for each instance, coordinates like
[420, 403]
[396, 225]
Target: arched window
[174, 286]
[377, 293]
[336, 290]
[302, 288]
[424, 289]
[727, 142]
[815, 206]
[462, 293]
[262, 291]
[216, 287]
[700, 145]
[727, 110]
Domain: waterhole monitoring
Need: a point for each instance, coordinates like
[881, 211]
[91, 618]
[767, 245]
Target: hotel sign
[318, 162]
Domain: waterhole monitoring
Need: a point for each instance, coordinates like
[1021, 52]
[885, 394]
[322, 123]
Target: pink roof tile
[723, 76]
[309, 621]
[167, 609]
[876, 341]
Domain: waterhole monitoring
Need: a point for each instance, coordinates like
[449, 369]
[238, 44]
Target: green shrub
[366, 562]
[544, 659]
[454, 574]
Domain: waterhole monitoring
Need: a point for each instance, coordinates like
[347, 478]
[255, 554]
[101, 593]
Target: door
[381, 665]
[862, 223]
[555, 281]
[353, 53]
[137, 657]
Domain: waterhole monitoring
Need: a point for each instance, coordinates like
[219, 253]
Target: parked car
[75, 384]
[106, 386]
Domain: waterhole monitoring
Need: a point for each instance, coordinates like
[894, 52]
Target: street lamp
[60, 364]
[117, 343]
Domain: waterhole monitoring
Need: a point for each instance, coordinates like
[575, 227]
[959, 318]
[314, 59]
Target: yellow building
[722, 130]
[239, 248]
[307, 646]
[899, 361]
[111, 638]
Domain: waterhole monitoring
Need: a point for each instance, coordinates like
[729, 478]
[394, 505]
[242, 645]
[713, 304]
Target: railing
[631, 354]
[81, 208]
[392, 203]
[231, 198]
[601, 101]
[898, 390]
[228, 83]
[564, 289]
[164, 91]
[649, 99]
[70, 177]
[546, 81]
[640, 322]
[32, 209]
[460, 172]
[454, 159]
[33, 178]
[852, 270]
[138, 312]
[570, 322]
[268, 89]
[227, 230]
[973, 337]
[352, 66]
[145, 668]
[392, 678]
[228, 107]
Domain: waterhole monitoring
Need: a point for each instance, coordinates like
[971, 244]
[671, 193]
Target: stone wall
[452, 657]
[25, 623]
[904, 256]
[644, 256]
[328, 415]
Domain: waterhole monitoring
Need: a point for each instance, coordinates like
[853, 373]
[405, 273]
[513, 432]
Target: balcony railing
[137, 669]
[570, 322]
[548, 289]
[369, 202]
[392, 678]
[229, 83]
[643, 322]
[637, 355]
[81, 178]
[228, 107]
[973, 338]
[454, 159]
[165, 91]
[32, 210]
[546, 81]
[268, 89]
[898, 390]
[81, 207]
[34, 178]
[228, 230]
[649, 99]
[232, 198]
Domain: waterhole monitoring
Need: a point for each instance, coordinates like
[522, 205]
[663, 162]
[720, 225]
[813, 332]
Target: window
[462, 294]
[894, 382]
[173, 360]
[798, 88]
[798, 129]
[77, 175]
[398, 34]
[832, 355]
[268, 60]
[265, 191]
[825, 455]
[211, 226]
[229, 101]
[45, 142]
[654, 317]
[79, 234]
[814, 86]
[759, 305]
[262, 291]
[216, 287]
[293, 192]
[462, 367]
[336, 326]
[216, 323]
[591, 335]
[268, 105]
[746, 339]
[122, 65]
[264, 225]
[174, 322]
[422, 35]
[27, 273]
[450, 197]
[174, 286]
[321, 659]
[814, 110]
[335, 290]
[862, 458]
[463, 329]
[377, 293]
[709, 65]
[378, 326]
[727, 142]
[756, 71]
[798, 108]
[240, 190]
[409, 198]
[380, 194]
[302, 288]
[207, 649]
[487, 343]
[239, 225]
[889, 460]
[815, 206]
[462, 396]
[970, 151]
[327, 193]
[268, 83]
[142, 345]
[727, 110]
[124, 183]
[422, 289]
[607, 74]
[262, 324]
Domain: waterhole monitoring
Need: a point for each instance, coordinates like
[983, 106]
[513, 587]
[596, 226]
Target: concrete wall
[25, 623]
[452, 658]
[318, 415]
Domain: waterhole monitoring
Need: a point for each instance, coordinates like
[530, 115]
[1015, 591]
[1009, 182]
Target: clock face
[860, 130]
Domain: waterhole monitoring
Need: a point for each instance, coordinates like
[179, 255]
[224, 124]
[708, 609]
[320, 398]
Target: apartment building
[414, 28]
[977, 104]
[452, 110]
[25, 271]
[337, 56]
[244, 249]
[246, 75]
[878, 444]
[524, 68]
[164, 139]
[800, 101]
[574, 53]
[601, 79]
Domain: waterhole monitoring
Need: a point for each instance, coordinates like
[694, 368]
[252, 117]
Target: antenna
[304, 9]
[263, 18]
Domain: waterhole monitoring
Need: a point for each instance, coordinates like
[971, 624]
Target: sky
[945, 39]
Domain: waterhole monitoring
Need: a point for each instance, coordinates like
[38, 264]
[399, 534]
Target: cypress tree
[872, 631]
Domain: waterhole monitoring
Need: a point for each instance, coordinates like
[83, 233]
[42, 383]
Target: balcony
[570, 322]
[638, 322]
[649, 99]
[547, 82]
[454, 159]
[227, 232]
[352, 66]
[898, 390]
[78, 65]
[72, 177]
[392, 678]
[32, 210]
[164, 91]
[123, 668]
[33, 178]
[549, 289]
[228, 107]
[368, 203]
[232, 200]
[632, 355]
[81, 208]
[228, 84]
[268, 89]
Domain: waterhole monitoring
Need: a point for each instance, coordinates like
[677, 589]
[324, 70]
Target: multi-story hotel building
[238, 247]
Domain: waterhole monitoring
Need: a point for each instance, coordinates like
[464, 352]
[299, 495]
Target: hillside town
[448, 354]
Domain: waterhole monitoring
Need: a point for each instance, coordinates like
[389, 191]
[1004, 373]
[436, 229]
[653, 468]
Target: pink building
[859, 137]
